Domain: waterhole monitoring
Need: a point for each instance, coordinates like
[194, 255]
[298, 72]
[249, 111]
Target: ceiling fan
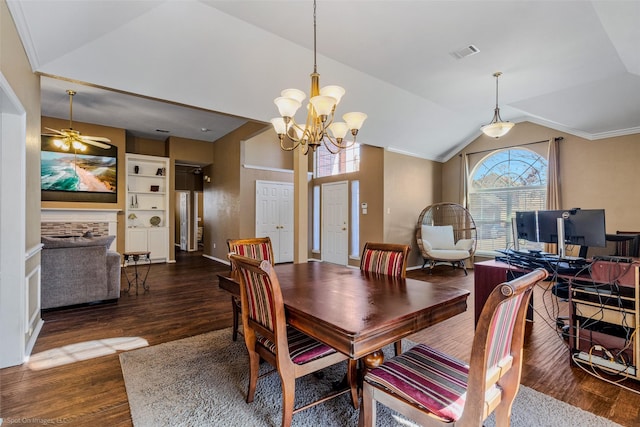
[71, 138]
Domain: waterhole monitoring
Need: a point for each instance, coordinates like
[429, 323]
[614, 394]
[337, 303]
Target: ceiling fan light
[354, 120]
[333, 91]
[287, 106]
[497, 129]
[78, 146]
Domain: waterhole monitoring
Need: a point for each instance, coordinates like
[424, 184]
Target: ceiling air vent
[465, 51]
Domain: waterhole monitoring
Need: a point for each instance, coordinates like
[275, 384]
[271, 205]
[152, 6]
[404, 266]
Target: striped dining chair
[385, 258]
[433, 388]
[268, 337]
[389, 259]
[257, 248]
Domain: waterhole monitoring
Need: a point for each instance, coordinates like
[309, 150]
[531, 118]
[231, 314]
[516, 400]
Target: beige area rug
[202, 381]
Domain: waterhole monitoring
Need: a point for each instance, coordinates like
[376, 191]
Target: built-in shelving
[147, 212]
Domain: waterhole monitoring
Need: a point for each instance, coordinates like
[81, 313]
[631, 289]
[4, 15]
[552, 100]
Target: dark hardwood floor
[184, 300]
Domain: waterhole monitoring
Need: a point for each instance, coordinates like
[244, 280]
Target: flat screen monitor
[548, 226]
[585, 227]
[526, 226]
[582, 227]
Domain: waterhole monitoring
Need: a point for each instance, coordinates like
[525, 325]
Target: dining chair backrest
[255, 247]
[433, 388]
[260, 295]
[385, 258]
[268, 338]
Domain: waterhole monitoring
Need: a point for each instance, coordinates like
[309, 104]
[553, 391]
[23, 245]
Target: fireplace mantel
[69, 215]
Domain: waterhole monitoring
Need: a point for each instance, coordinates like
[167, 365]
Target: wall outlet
[214, 246]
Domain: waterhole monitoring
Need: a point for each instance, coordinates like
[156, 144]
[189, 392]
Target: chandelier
[497, 127]
[320, 127]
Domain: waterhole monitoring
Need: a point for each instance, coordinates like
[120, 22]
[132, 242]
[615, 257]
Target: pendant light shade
[497, 127]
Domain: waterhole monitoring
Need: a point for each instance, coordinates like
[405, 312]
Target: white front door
[335, 223]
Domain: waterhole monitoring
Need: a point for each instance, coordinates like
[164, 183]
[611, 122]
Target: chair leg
[254, 366]
[464, 267]
[367, 417]
[288, 399]
[236, 314]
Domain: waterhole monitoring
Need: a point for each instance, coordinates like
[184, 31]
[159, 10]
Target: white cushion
[439, 236]
[464, 244]
[449, 254]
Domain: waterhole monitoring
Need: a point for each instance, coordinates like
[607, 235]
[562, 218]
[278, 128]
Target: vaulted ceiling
[570, 65]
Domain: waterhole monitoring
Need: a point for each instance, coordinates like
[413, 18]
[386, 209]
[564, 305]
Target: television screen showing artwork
[87, 176]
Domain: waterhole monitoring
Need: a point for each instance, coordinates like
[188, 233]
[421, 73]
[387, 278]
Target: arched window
[501, 184]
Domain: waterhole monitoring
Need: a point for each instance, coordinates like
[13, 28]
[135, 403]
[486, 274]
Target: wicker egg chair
[436, 241]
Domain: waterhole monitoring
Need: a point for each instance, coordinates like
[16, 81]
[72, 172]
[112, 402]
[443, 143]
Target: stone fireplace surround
[65, 222]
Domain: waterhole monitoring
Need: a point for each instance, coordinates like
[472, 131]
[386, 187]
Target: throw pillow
[439, 236]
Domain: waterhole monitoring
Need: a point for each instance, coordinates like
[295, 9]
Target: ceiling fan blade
[87, 140]
[96, 138]
[55, 131]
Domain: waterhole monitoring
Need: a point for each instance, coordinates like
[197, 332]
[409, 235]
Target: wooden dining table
[356, 312]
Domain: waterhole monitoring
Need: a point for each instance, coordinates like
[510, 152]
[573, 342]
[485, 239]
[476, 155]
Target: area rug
[202, 381]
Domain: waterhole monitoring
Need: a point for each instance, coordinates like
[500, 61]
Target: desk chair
[257, 248]
[433, 388]
[386, 258]
[268, 337]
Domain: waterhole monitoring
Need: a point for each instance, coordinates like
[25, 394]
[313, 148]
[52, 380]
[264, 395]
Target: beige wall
[264, 150]
[593, 174]
[222, 198]
[16, 69]
[410, 185]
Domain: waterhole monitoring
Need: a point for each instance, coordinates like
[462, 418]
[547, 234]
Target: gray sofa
[78, 270]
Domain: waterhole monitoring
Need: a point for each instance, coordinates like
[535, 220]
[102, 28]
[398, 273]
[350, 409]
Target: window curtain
[464, 180]
[553, 183]
[553, 178]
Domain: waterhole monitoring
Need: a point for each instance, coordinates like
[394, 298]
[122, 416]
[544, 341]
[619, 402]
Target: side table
[138, 278]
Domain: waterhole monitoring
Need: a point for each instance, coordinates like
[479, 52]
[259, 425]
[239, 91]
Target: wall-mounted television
[88, 176]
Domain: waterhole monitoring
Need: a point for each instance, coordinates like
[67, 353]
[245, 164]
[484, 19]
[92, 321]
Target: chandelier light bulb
[296, 94]
[323, 104]
[354, 120]
[339, 130]
[333, 91]
[287, 106]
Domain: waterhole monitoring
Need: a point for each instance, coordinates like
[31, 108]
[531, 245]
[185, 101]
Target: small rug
[202, 381]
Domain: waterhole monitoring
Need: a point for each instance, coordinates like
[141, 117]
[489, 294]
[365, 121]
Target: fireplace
[76, 222]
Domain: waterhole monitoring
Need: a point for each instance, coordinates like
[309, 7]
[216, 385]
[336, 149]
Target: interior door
[335, 223]
[274, 217]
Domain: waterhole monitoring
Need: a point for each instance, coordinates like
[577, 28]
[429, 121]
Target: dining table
[357, 312]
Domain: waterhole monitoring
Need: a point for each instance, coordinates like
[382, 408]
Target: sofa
[78, 270]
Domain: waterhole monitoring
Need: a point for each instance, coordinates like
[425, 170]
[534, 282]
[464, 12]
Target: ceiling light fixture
[320, 127]
[66, 139]
[497, 127]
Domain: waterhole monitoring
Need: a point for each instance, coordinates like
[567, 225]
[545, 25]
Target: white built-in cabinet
[274, 217]
[147, 212]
